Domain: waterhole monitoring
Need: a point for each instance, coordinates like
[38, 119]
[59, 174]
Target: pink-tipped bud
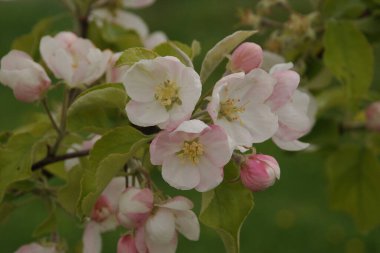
[259, 172]
[373, 116]
[246, 57]
[26, 78]
[126, 244]
[135, 206]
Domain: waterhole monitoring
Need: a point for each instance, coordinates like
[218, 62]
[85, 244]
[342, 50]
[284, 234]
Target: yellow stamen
[167, 94]
[230, 110]
[192, 151]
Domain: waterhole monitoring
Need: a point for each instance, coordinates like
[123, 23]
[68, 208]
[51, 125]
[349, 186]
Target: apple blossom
[103, 216]
[192, 156]
[154, 39]
[26, 78]
[270, 59]
[134, 206]
[295, 109]
[159, 234]
[75, 60]
[115, 74]
[163, 92]
[37, 248]
[259, 172]
[126, 244]
[246, 57]
[237, 105]
[372, 113]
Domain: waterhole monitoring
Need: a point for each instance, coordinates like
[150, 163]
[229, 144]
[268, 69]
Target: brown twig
[53, 159]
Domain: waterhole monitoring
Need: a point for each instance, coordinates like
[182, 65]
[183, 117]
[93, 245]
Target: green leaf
[195, 49]
[6, 209]
[177, 49]
[48, 225]
[224, 209]
[353, 174]
[68, 195]
[133, 55]
[343, 8]
[349, 57]
[16, 159]
[98, 109]
[108, 157]
[216, 54]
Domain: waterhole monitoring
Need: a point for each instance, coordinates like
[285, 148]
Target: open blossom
[129, 21]
[126, 244]
[373, 116]
[295, 109]
[103, 216]
[163, 92]
[192, 156]
[246, 57]
[134, 206]
[73, 59]
[37, 248]
[159, 234]
[270, 59]
[259, 172]
[237, 105]
[26, 78]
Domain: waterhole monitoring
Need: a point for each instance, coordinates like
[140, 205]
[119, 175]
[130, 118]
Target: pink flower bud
[259, 172]
[135, 206]
[246, 57]
[373, 116]
[36, 248]
[26, 78]
[126, 244]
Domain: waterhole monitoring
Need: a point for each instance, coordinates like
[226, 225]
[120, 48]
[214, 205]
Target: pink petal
[113, 191]
[160, 228]
[178, 203]
[164, 145]
[126, 244]
[210, 175]
[92, 240]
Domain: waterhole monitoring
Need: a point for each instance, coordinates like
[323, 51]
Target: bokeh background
[291, 217]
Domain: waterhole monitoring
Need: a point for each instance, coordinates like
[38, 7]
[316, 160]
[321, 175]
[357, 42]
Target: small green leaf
[216, 54]
[349, 57]
[108, 157]
[133, 55]
[224, 209]
[195, 49]
[98, 109]
[48, 225]
[177, 49]
[343, 8]
[353, 174]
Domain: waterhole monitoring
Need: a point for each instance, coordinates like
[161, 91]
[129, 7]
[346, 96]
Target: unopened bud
[246, 57]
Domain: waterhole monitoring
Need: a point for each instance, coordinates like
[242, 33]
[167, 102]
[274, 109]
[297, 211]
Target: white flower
[26, 78]
[75, 60]
[163, 92]
[192, 156]
[237, 105]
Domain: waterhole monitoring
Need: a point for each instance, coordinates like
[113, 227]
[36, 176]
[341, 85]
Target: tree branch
[53, 159]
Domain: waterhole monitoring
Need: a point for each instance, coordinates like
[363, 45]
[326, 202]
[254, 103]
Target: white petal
[180, 174]
[211, 175]
[169, 247]
[178, 203]
[237, 132]
[160, 227]
[113, 191]
[146, 114]
[260, 121]
[216, 145]
[92, 240]
[281, 67]
[260, 85]
[194, 126]
[155, 39]
[295, 145]
[163, 146]
[270, 59]
[187, 224]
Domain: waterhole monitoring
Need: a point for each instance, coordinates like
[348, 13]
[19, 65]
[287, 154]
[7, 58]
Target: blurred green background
[291, 217]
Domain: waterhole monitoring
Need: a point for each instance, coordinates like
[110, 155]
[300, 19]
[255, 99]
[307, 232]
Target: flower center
[191, 151]
[102, 210]
[230, 110]
[167, 94]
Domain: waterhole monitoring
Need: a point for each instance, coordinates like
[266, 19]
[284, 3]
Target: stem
[53, 159]
[62, 129]
[83, 26]
[46, 107]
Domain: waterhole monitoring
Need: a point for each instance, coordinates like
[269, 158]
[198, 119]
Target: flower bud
[373, 116]
[135, 206]
[259, 172]
[246, 57]
[37, 248]
[26, 78]
[126, 244]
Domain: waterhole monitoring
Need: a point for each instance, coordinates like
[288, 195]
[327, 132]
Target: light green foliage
[353, 173]
[98, 109]
[349, 57]
[177, 49]
[224, 209]
[107, 158]
[133, 55]
[216, 54]
[112, 36]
